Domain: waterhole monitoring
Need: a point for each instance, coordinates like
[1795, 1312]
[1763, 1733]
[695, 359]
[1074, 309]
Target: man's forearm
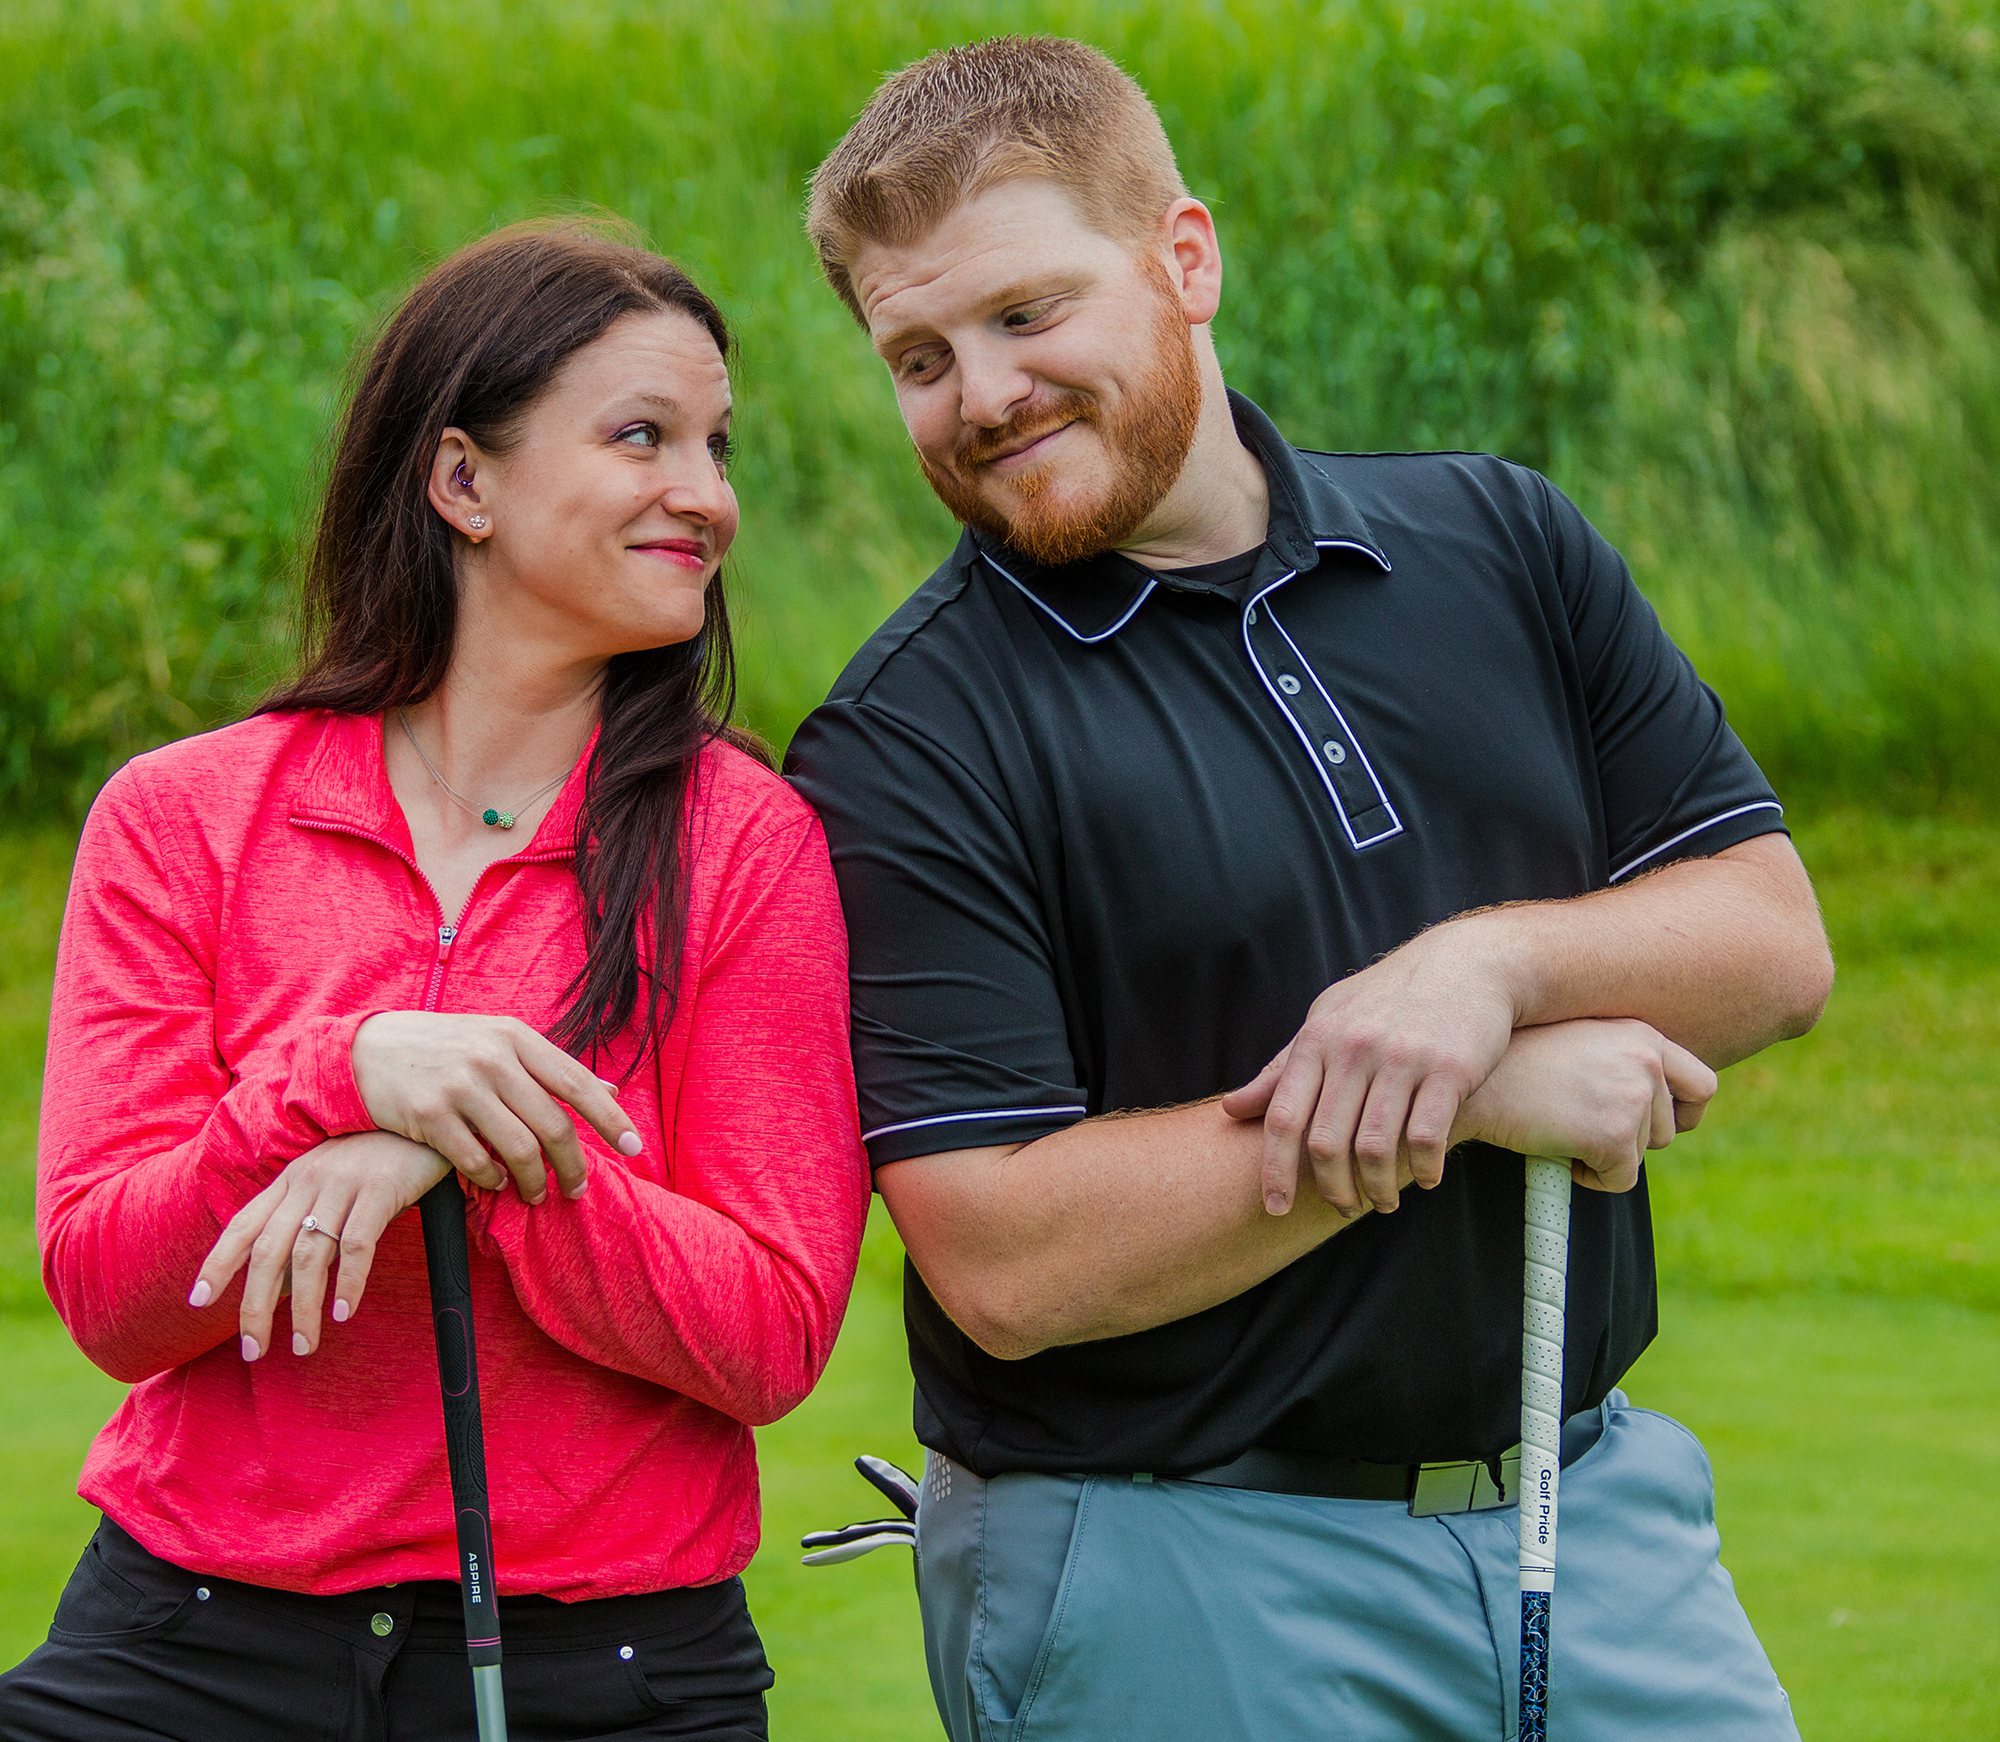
[1110, 1227]
[1116, 1225]
[1119, 1224]
[1725, 955]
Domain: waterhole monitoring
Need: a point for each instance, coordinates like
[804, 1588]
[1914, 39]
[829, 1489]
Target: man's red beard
[1146, 439]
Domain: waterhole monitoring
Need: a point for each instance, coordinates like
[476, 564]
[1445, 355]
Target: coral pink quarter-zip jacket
[242, 901]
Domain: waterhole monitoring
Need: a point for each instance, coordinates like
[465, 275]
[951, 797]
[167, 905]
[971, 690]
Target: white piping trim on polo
[1305, 738]
[1088, 640]
[1146, 592]
[1388, 568]
[955, 1118]
[1353, 737]
[1762, 804]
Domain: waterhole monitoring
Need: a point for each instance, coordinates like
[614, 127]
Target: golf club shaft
[443, 1212]
[1545, 1239]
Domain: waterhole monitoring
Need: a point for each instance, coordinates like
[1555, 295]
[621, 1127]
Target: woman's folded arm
[727, 1283]
[149, 1142]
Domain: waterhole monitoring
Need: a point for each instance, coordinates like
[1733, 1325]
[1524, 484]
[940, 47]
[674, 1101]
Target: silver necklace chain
[491, 815]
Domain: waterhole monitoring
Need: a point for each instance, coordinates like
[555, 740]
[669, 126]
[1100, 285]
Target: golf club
[829, 1548]
[443, 1212]
[1545, 1238]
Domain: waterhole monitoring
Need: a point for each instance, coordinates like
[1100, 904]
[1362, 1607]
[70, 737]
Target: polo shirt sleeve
[1675, 781]
[959, 1036]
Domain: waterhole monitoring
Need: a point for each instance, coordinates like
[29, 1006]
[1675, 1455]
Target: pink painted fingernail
[250, 1349]
[299, 1344]
[341, 1312]
[629, 1143]
[201, 1294]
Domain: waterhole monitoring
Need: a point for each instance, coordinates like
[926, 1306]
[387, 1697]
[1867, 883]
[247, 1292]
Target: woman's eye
[645, 435]
[721, 449]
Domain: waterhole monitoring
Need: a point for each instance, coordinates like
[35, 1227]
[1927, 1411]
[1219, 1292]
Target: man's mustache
[981, 447]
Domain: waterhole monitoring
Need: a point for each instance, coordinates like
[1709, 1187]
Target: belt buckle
[1467, 1485]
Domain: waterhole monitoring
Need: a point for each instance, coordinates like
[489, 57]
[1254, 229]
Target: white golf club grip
[1545, 1237]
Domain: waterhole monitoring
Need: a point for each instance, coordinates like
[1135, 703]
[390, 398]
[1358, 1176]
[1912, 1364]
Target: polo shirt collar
[1097, 597]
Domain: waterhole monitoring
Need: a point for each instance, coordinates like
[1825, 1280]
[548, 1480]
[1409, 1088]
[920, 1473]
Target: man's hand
[1378, 1072]
[1601, 1093]
[466, 1085]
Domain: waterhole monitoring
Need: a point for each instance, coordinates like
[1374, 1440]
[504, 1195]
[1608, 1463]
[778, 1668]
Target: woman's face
[608, 516]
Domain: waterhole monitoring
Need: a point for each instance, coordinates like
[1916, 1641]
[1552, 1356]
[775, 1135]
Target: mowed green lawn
[1830, 1326]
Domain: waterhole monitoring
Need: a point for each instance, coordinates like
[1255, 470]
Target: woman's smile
[685, 553]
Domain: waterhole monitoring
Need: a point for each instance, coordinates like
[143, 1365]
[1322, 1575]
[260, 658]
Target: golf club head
[828, 1548]
[898, 1485]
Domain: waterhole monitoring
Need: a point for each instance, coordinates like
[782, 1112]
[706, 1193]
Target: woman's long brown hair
[473, 346]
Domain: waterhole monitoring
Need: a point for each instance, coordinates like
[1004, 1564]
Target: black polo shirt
[1103, 834]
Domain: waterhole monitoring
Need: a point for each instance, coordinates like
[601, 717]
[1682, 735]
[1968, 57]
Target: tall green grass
[1728, 269]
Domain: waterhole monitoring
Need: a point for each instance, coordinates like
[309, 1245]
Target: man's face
[1045, 371]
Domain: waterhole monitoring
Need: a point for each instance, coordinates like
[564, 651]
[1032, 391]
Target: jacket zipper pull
[445, 934]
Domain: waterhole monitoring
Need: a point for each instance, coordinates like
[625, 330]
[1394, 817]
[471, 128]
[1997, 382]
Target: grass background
[1830, 1250]
[1728, 269]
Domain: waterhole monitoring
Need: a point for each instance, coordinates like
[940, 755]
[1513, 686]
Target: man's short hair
[966, 119]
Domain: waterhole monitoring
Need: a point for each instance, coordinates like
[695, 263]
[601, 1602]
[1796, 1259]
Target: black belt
[1429, 1490]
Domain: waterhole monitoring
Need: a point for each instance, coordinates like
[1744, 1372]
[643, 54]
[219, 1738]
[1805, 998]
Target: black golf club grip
[443, 1212]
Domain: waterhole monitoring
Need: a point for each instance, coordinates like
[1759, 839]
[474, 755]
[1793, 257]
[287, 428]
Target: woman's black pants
[141, 1648]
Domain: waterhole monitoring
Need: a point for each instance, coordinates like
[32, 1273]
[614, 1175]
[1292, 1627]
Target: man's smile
[1028, 452]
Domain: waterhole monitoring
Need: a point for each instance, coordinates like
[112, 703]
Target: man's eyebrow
[1026, 290]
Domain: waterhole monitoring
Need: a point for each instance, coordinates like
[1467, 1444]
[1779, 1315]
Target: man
[1226, 833]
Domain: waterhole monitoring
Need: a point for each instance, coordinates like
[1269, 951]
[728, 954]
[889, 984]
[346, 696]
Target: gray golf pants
[1104, 1609]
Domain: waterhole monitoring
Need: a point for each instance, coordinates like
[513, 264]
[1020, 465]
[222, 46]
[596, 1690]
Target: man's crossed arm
[1584, 1027]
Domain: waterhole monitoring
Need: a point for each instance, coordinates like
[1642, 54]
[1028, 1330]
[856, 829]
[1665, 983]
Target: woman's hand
[467, 1085]
[1599, 1092]
[351, 1188]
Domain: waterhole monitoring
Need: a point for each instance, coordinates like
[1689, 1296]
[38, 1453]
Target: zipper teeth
[447, 934]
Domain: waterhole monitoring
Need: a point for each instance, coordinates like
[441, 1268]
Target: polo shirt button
[1336, 752]
[381, 1625]
[1288, 683]
[625, 1651]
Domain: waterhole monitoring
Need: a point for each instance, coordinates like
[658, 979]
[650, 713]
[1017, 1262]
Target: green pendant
[496, 819]
[506, 819]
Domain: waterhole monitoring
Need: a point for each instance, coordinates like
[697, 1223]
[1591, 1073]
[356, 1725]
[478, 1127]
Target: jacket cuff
[325, 1069]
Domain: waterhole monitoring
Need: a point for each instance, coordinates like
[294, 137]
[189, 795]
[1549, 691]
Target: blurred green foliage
[1728, 269]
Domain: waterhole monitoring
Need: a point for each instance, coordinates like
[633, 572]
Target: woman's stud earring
[477, 523]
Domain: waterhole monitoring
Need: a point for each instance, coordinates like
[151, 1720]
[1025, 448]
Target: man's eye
[917, 363]
[645, 435]
[1016, 318]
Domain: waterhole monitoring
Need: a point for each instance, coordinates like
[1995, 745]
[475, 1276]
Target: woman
[493, 856]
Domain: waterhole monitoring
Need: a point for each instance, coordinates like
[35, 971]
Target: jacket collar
[346, 785]
[1097, 597]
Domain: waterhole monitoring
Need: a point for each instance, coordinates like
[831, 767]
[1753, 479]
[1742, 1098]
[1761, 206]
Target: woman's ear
[455, 490]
